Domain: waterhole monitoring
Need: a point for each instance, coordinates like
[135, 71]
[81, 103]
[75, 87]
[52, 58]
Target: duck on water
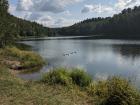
[68, 54]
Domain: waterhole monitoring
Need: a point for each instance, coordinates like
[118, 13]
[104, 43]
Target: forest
[13, 28]
[125, 24]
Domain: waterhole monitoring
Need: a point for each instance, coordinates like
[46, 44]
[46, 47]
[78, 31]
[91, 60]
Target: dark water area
[100, 58]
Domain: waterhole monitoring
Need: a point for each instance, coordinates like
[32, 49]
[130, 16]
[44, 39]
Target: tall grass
[57, 76]
[67, 76]
[28, 59]
[121, 92]
[115, 91]
[80, 77]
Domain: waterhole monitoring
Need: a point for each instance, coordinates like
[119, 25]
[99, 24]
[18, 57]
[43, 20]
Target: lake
[100, 58]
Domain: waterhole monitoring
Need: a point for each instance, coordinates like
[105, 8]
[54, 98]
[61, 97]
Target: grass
[14, 91]
[114, 91]
[80, 77]
[26, 59]
[58, 76]
[65, 76]
[120, 92]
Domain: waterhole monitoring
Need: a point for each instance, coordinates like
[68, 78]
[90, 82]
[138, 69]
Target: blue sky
[59, 13]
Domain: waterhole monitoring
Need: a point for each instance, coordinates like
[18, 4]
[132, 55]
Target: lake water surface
[100, 58]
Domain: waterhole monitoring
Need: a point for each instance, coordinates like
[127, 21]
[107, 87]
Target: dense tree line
[124, 24]
[12, 27]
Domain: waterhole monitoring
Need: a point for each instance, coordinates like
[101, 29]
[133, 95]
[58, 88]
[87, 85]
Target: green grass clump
[114, 91]
[80, 77]
[57, 76]
[28, 59]
[121, 92]
[66, 76]
[98, 88]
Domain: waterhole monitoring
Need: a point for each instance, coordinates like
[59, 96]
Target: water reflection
[101, 58]
[128, 51]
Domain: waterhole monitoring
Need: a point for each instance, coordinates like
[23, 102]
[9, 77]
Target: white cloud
[46, 21]
[12, 8]
[32, 16]
[87, 8]
[122, 4]
[117, 7]
[54, 6]
[67, 13]
[24, 5]
[46, 18]
[96, 8]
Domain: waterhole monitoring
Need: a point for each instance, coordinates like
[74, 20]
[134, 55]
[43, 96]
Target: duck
[65, 54]
[71, 52]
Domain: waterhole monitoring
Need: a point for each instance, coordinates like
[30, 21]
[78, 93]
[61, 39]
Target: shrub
[80, 77]
[66, 77]
[120, 92]
[57, 76]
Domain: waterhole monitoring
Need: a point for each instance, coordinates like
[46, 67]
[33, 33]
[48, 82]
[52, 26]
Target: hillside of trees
[12, 27]
[124, 24]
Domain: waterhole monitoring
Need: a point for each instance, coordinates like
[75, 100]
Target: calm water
[100, 58]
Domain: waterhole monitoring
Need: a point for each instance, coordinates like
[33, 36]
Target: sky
[61, 13]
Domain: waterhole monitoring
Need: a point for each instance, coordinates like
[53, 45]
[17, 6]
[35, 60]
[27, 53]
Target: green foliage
[121, 92]
[114, 91]
[4, 6]
[67, 77]
[57, 76]
[80, 77]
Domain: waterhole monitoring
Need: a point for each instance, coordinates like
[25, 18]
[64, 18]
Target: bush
[121, 92]
[57, 76]
[114, 91]
[80, 77]
[66, 77]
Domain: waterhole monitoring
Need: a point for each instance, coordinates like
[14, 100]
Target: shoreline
[56, 87]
